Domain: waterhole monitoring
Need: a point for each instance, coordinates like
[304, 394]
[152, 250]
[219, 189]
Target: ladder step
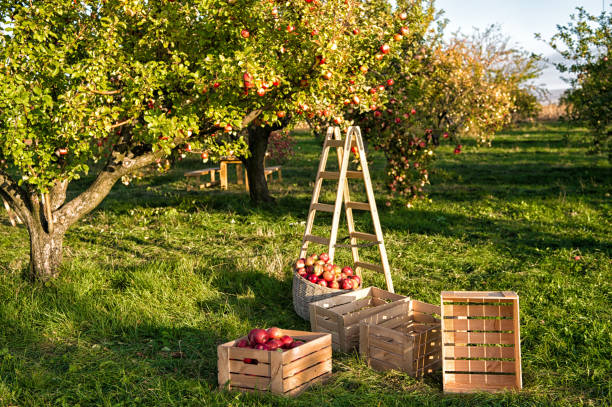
[336, 175]
[335, 143]
[364, 236]
[317, 239]
[323, 207]
[369, 266]
[364, 206]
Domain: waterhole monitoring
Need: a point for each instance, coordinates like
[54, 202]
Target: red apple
[347, 270]
[347, 284]
[274, 344]
[301, 263]
[357, 279]
[258, 336]
[355, 31]
[328, 276]
[245, 33]
[322, 283]
[379, 57]
[328, 267]
[356, 100]
[262, 346]
[290, 28]
[324, 257]
[243, 343]
[309, 269]
[403, 16]
[296, 344]
[274, 332]
[261, 91]
[333, 284]
[363, 69]
[249, 361]
[404, 31]
[397, 37]
[280, 115]
[385, 48]
[390, 82]
[302, 272]
[286, 340]
[313, 279]
[204, 155]
[310, 261]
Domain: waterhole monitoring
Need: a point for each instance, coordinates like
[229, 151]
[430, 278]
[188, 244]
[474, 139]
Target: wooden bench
[272, 170]
[197, 174]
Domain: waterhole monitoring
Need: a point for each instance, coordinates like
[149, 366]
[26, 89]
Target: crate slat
[261, 356]
[238, 366]
[483, 338]
[307, 348]
[499, 380]
[307, 375]
[497, 366]
[252, 382]
[477, 310]
[300, 364]
[479, 324]
[490, 352]
[298, 390]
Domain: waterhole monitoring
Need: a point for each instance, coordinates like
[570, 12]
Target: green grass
[157, 269]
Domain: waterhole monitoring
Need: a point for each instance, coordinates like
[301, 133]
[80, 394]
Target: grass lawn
[157, 270]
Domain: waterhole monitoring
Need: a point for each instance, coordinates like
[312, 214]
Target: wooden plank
[252, 382]
[352, 306]
[425, 318]
[374, 314]
[260, 369]
[497, 366]
[424, 307]
[394, 359]
[479, 324]
[478, 310]
[390, 346]
[369, 266]
[362, 206]
[262, 356]
[334, 333]
[307, 361]
[335, 143]
[307, 375]
[517, 343]
[276, 372]
[344, 298]
[298, 390]
[323, 207]
[364, 236]
[378, 331]
[307, 348]
[333, 175]
[478, 338]
[380, 365]
[505, 352]
[386, 295]
[364, 340]
[326, 323]
[477, 380]
[453, 295]
[317, 239]
[223, 365]
[342, 182]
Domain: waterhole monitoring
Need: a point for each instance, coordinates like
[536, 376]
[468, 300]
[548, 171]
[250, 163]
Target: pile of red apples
[319, 270]
[267, 339]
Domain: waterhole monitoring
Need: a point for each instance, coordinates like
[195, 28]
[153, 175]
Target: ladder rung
[336, 175]
[323, 207]
[317, 239]
[358, 205]
[369, 266]
[364, 236]
[335, 143]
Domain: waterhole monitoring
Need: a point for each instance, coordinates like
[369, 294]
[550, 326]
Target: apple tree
[586, 45]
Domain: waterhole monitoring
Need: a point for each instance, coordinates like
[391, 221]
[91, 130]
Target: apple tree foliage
[107, 87]
[586, 45]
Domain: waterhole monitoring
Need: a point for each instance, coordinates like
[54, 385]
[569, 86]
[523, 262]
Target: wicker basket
[305, 292]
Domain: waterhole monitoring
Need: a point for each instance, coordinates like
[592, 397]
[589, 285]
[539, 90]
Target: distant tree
[586, 45]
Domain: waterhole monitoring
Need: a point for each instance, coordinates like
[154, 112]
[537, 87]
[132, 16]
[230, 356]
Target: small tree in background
[586, 45]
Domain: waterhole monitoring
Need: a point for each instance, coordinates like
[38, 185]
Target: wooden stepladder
[343, 148]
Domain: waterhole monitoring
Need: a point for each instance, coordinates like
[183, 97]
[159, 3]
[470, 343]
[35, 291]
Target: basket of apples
[316, 278]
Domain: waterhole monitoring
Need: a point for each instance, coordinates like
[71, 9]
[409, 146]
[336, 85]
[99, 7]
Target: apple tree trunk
[45, 254]
[258, 145]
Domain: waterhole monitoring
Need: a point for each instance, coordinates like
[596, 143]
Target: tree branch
[15, 196]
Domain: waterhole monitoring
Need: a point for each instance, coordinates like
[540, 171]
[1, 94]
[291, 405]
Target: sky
[519, 20]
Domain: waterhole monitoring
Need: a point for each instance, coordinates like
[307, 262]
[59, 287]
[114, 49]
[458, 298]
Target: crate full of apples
[318, 269]
[281, 361]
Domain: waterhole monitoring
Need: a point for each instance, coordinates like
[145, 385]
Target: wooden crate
[408, 340]
[481, 338]
[341, 315]
[288, 373]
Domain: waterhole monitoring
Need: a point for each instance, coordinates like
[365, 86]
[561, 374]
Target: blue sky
[520, 20]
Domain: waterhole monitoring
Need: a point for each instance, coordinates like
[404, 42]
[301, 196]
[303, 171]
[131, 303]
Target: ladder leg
[316, 193]
[349, 213]
[373, 209]
[339, 195]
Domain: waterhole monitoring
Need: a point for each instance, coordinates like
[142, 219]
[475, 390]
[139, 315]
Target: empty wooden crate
[341, 315]
[408, 339]
[481, 341]
[286, 372]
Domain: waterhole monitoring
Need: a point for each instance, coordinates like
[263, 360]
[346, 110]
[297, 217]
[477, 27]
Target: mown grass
[158, 270]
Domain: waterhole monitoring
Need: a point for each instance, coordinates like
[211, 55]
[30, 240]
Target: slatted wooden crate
[341, 315]
[409, 339]
[481, 341]
[288, 372]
